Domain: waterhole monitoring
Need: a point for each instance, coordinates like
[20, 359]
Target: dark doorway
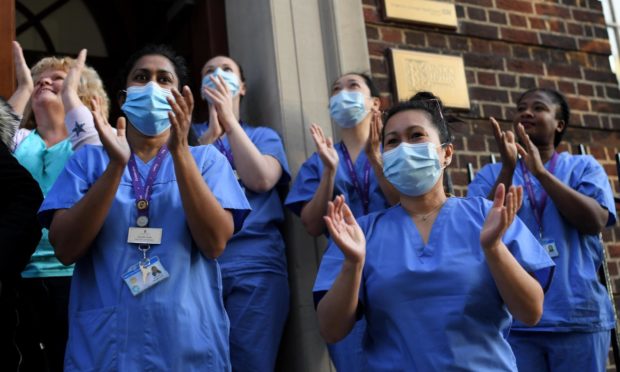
[195, 29]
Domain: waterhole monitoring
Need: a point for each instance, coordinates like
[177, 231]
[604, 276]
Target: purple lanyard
[143, 192]
[537, 207]
[219, 144]
[363, 192]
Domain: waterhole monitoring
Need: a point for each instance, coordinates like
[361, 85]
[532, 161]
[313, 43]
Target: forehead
[154, 63]
[406, 119]
[52, 72]
[537, 96]
[345, 79]
[220, 61]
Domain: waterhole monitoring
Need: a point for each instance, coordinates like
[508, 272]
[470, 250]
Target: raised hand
[221, 98]
[215, 129]
[22, 72]
[325, 147]
[501, 215]
[506, 143]
[115, 143]
[25, 86]
[373, 144]
[529, 153]
[180, 118]
[69, 93]
[345, 231]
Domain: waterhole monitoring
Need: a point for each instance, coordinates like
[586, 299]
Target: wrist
[329, 171]
[231, 124]
[355, 264]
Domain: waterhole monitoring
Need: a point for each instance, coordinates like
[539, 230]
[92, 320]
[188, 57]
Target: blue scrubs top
[576, 300]
[435, 307]
[307, 182]
[178, 325]
[259, 246]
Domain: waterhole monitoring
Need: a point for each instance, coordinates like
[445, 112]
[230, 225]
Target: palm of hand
[493, 228]
[328, 154]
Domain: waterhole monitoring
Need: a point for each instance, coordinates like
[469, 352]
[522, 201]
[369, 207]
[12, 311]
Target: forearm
[581, 211]
[73, 230]
[337, 309]
[312, 213]
[259, 172]
[19, 99]
[391, 194]
[210, 225]
[505, 177]
[521, 293]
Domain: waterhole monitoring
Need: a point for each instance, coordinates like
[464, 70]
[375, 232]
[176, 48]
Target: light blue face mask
[412, 168]
[229, 77]
[348, 108]
[147, 109]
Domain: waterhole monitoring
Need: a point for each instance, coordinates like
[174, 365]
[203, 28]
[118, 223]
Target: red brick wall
[509, 46]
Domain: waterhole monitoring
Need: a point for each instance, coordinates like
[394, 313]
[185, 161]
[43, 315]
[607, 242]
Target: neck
[145, 147]
[426, 203]
[51, 125]
[355, 138]
[546, 152]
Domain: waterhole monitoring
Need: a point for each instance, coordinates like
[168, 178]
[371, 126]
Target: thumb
[121, 126]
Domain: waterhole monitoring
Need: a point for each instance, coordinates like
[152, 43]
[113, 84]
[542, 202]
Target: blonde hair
[90, 86]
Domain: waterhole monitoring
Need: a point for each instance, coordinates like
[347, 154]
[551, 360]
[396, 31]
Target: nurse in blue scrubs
[568, 202]
[436, 277]
[144, 218]
[351, 168]
[254, 271]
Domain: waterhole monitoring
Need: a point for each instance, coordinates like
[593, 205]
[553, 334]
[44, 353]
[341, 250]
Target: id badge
[139, 277]
[144, 235]
[550, 247]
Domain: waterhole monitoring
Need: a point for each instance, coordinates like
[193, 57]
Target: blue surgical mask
[412, 168]
[147, 109]
[229, 77]
[348, 108]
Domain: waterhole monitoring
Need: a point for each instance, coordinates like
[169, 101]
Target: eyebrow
[146, 70]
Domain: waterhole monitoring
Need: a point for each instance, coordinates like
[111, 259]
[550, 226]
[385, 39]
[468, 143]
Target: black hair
[429, 103]
[563, 112]
[374, 91]
[180, 67]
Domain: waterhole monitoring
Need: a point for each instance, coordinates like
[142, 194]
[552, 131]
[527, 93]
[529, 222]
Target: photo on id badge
[141, 277]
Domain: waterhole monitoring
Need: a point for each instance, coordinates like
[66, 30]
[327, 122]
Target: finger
[179, 106]
[525, 139]
[330, 209]
[521, 151]
[509, 137]
[121, 126]
[510, 203]
[519, 197]
[18, 54]
[348, 215]
[189, 98]
[224, 85]
[498, 201]
[329, 143]
[331, 228]
[174, 123]
[497, 131]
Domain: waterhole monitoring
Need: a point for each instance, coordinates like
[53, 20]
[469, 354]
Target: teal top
[44, 164]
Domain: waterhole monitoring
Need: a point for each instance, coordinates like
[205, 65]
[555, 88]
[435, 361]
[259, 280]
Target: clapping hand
[501, 215]
[345, 231]
[325, 147]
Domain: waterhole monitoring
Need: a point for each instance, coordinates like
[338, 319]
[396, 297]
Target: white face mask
[413, 169]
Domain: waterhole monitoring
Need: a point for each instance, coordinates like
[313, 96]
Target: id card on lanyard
[538, 207]
[219, 144]
[149, 270]
[362, 190]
